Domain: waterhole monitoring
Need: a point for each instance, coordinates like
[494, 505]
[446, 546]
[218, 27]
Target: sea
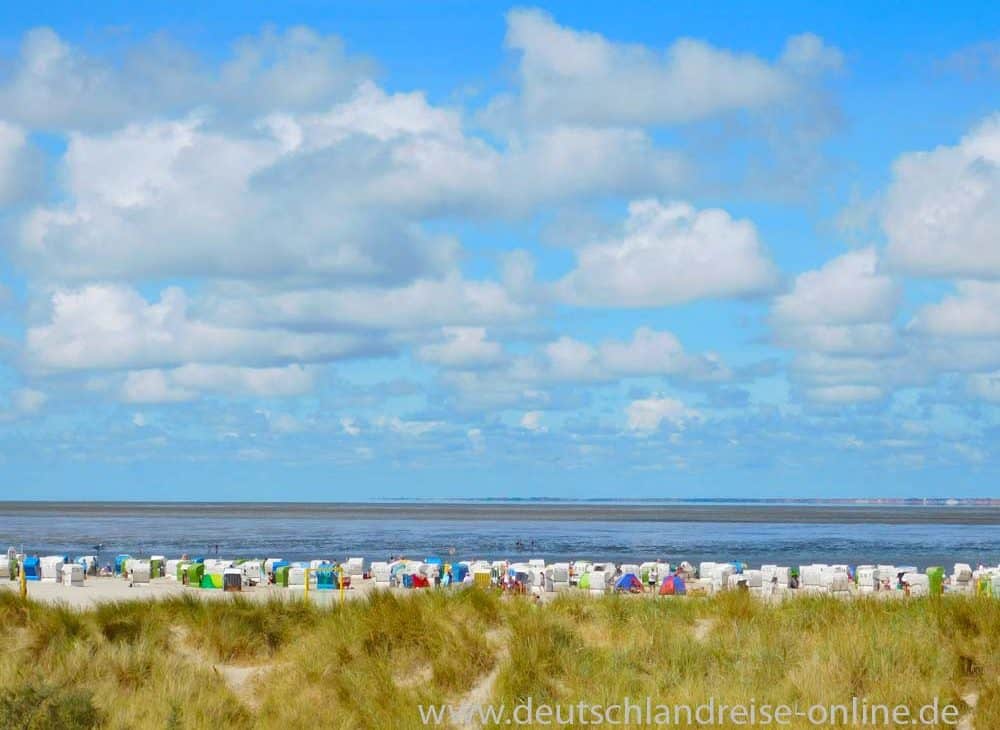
[612, 530]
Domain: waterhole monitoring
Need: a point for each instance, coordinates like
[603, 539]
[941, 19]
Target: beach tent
[919, 583]
[397, 571]
[935, 577]
[253, 572]
[600, 581]
[194, 573]
[380, 572]
[120, 563]
[297, 576]
[211, 580]
[673, 585]
[269, 564]
[326, 578]
[139, 571]
[32, 568]
[232, 580]
[72, 575]
[755, 579]
[720, 576]
[354, 569]
[51, 568]
[557, 577]
[629, 582]
[5, 566]
[460, 571]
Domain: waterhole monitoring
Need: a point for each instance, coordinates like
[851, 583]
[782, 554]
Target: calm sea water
[717, 533]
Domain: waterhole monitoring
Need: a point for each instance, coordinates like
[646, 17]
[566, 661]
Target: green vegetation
[189, 663]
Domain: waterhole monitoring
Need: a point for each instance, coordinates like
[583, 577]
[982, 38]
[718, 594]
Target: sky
[315, 251]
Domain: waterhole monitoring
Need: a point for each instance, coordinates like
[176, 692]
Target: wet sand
[961, 514]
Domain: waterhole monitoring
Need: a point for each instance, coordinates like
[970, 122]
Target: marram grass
[186, 663]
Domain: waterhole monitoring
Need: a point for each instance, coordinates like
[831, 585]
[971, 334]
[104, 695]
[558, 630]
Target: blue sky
[403, 250]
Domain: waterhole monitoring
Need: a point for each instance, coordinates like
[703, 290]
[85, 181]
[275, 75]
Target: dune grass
[369, 663]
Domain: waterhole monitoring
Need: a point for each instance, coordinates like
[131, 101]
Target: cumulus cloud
[463, 347]
[942, 209]
[52, 84]
[581, 77]
[985, 386]
[126, 189]
[403, 427]
[648, 353]
[844, 307]
[532, 421]
[20, 165]
[839, 320]
[670, 254]
[530, 381]
[973, 311]
[647, 415]
[338, 195]
[190, 381]
[23, 402]
[113, 327]
[448, 301]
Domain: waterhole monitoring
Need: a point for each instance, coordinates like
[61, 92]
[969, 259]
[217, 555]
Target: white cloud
[648, 353]
[942, 210]
[648, 414]
[845, 394]
[20, 165]
[28, 400]
[153, 386]
[846, 290]
[335, 196]
[584, 78]
[125, 189]
[839, 320]
[985, 386]
[463, 347]
[407, 428]
[193, 380]
[106, 326]
[974, 311]
[476, 439]
[52, 84]
[449, 301]
[670, 254]
[350, 426]
[652, 352]
[532, 421]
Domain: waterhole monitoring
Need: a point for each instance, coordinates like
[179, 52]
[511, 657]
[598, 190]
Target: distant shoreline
[963, 513]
